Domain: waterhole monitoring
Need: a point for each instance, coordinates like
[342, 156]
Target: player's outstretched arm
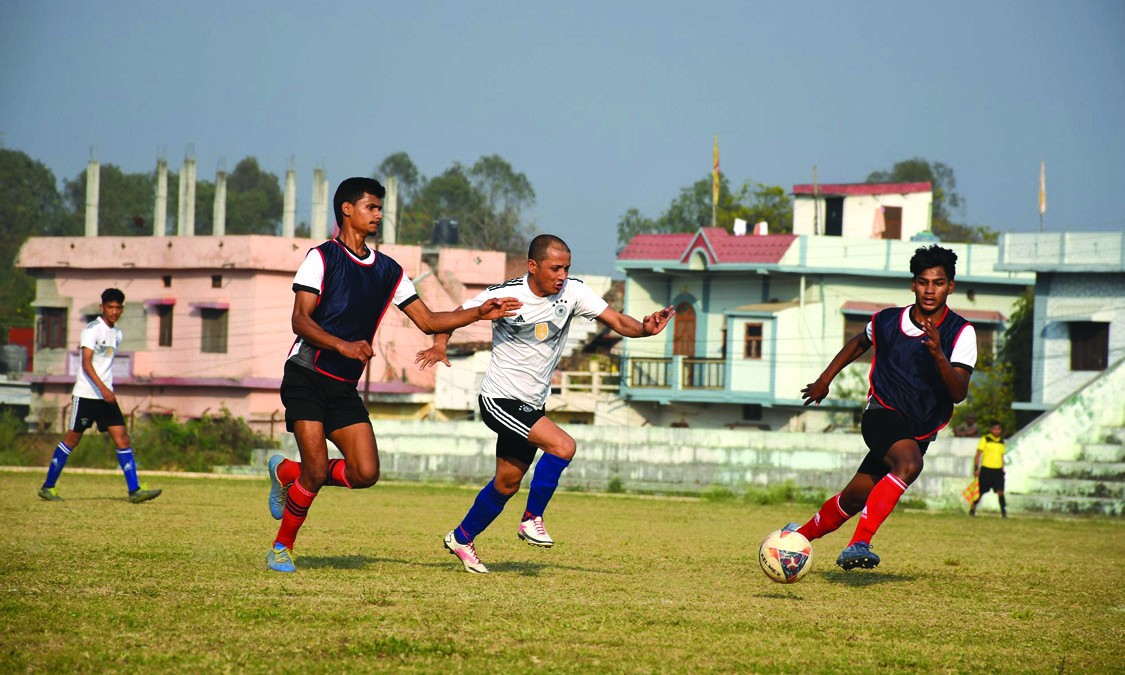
[447, 322]
[817, 390]
[435, 354]
[625, 325]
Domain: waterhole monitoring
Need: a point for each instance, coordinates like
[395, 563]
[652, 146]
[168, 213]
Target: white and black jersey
[527, 347]
[103, 340]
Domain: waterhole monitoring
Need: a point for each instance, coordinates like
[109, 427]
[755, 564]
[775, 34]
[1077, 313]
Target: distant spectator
[968, 428]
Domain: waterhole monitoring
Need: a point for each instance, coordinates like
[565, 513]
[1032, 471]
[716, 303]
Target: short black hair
[352, 190]
[537, 250]
[934, 256]
[112, 295]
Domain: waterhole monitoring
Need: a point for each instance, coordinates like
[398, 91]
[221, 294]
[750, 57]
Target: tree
[124, 201]
[30, 204]
[691, 210]
[400, 165]
[947, 202]
[1015, 350]
[254, 200]
[990, 394]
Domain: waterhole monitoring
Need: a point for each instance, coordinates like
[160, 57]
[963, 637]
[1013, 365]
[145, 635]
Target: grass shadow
[866, 578]
[342, 562]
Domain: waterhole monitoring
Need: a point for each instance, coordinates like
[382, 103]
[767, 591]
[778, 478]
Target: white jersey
[104, 340]
[527, 347]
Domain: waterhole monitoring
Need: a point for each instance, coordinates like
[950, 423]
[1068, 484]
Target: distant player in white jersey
[94, 401]
[525, 350]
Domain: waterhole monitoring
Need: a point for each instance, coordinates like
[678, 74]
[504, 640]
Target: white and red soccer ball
[785, 556]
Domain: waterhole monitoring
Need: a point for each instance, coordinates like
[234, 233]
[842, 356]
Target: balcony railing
[586, 382]
[676, 372]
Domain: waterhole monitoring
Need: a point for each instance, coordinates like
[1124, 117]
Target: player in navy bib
[341, 292]
[924, 356]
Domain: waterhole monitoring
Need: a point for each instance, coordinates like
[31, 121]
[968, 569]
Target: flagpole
[715, 185]
[1042, 192]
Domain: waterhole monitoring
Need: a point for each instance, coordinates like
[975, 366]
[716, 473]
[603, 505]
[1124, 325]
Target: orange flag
[972, 493]
[715, 175]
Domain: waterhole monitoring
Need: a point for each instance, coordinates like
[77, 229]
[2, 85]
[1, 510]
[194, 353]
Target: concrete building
[206, 322]
[758, 317]
[863, 210]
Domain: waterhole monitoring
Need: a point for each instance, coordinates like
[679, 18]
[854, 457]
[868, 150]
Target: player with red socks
[342, 290]
[924, 356]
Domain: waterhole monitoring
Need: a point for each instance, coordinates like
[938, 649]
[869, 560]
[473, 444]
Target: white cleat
[467, 553]
[533, 532]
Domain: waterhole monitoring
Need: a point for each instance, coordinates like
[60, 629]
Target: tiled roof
[718, 245]
[869, 308]
[849, 189]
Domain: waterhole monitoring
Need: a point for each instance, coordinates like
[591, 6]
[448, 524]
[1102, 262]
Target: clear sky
[603, 105]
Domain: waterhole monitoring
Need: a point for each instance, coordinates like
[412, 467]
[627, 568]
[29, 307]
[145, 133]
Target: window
[892, 222]
[751, 412]
[753, 348]
[164, 312]
[216, 281]
[51, 332]
[986, 340]
[167, 279]
[214, 330]
[1089, 345]
[853, 325]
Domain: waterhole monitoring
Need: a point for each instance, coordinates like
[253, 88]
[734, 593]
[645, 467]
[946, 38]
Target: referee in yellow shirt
[988, 466]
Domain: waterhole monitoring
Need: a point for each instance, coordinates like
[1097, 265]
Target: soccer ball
[785, 556]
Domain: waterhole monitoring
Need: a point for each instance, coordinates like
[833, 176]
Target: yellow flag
[715, 175]
[1042, 185]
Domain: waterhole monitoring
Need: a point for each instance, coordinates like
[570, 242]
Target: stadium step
[1104, 452]
[1066, 504]
[1114, 471]
[1076, 487]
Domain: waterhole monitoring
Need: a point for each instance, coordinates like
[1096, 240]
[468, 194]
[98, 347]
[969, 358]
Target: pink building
[206, 321]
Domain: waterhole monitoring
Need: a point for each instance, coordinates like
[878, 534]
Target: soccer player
[924, 356]
[341, 292]
[988, 466]
[525, 351]
[94, 401]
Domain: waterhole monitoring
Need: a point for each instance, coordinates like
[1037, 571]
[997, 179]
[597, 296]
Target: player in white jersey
[525, 350]
[94, 401]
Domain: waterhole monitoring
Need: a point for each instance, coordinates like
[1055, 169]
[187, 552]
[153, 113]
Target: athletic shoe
[533, 532]
[281, 559]
[49, 494]
[278, 492]
[791, 527]
[467, 553]
[856, 555]
[142, 495]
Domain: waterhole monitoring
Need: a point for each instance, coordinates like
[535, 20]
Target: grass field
[95, 584]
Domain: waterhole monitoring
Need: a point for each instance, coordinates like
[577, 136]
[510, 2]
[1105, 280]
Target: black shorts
[512, 421]
[308, 395]
[881, 429]
[991, 479]
[86, 411]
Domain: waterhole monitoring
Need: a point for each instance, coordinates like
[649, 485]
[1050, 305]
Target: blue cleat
[278, 492]
[859, 555]
[280, 559]
[791, 527]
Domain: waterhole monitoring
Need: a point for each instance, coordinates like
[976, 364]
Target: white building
[863, 210]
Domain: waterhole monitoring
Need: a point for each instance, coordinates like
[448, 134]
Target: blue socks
[548, 470]
[58, 461]
[485, 509]
[129, 467]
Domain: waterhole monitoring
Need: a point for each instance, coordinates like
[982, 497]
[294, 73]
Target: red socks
[828, 519]
[337, 473]
[880, 503]
[288, 471]
[296, 510]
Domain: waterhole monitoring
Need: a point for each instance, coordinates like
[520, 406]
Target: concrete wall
[661, 459]
[860, 213]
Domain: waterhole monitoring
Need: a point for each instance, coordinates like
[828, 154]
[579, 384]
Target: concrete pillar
[289, 213]
[160, 211]
[219, 228]
[318, 218]
[93, 180]
[390, 211]
[186, 224]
